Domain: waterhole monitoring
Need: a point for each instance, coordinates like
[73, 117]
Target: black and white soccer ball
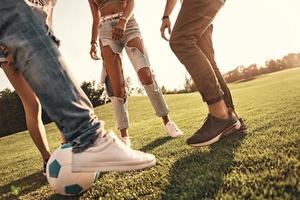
[60, 176]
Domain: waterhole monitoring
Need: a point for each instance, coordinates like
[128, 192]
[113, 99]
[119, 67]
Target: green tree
[12, 118]
[96, 93]
[164, 90]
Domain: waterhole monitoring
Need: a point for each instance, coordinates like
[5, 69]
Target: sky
[245, 32]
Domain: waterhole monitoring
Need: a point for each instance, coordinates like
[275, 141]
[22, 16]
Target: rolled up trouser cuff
[84, 141]
[120, 106]
[215, 100]
[157, 100]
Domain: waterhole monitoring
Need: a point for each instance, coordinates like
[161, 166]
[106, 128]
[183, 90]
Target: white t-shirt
[45, 9]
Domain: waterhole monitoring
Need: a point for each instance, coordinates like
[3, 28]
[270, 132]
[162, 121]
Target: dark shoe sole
[228, 131]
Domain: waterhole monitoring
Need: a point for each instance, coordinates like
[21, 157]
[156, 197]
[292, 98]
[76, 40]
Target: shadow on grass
[60, 197]
[156, 143]
[24, 185]
[200, 175]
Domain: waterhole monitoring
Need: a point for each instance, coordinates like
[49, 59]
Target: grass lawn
[262, 164]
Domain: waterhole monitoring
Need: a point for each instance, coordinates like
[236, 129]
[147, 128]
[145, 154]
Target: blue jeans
[36, 56]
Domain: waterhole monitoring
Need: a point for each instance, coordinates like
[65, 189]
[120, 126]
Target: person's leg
[32, 109]
[206, 45]
[146, 78]
[138, 56]
[115, 85]
[42, 66]
[193, 20]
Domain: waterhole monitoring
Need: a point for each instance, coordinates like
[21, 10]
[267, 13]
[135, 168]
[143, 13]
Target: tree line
[242, 73]
[12, 115]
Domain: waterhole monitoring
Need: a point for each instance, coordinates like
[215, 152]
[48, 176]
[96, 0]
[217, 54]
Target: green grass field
[262, 164]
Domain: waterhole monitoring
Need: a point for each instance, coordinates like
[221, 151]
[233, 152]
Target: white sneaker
[173, 130]
[126, 141]
[110, 154]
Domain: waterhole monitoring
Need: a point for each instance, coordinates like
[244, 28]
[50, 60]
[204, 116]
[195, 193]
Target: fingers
[117, 33]
[165, 25]
[114, 33]
[162, 31]
[4, 49]
[169, 30]
[163, 35]
[93, 54]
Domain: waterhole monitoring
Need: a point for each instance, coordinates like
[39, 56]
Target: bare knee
[145, 76]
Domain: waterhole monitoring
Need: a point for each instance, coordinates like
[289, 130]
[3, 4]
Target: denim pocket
[105, 31]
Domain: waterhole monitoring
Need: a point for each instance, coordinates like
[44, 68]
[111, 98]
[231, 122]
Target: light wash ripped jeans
[36, 56]
[138, 59]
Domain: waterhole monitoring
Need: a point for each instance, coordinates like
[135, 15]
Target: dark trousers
[191, 41]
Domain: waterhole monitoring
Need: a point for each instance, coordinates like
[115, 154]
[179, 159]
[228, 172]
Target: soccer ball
[60, 176]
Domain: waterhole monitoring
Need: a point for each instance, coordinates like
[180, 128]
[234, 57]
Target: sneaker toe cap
[144, 156]
[194, 139]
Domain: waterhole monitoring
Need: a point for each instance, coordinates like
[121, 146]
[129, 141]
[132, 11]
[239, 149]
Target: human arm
[166, 22]
[95, 29]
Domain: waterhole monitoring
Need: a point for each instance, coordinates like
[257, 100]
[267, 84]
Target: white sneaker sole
[235, 126]
[114, 166]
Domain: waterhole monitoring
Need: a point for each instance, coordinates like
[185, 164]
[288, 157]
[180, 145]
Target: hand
[118, 31]
[166, 23]
[93, 51]
[9, 58]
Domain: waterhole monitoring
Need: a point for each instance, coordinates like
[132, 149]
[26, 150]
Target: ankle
[221, 115]
[219, 110]
[166, 119]
[45, 159]
[124, 133]
[232, 111]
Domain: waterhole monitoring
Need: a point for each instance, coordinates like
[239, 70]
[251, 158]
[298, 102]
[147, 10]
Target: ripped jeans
[139, 60]
[36, 56]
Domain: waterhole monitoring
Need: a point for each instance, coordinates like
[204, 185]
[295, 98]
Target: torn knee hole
[145, 76]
